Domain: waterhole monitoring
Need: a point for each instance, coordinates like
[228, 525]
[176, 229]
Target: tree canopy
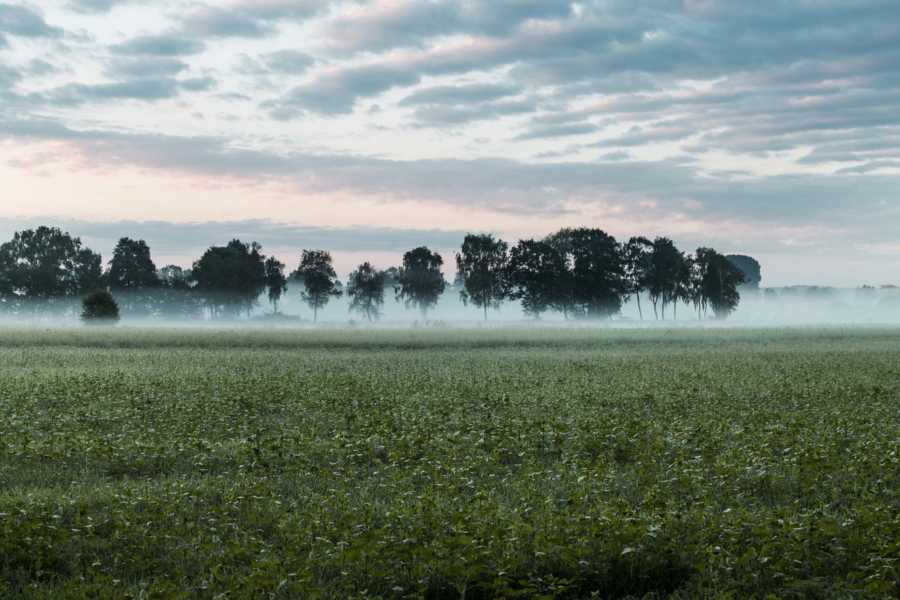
[47, 263]
[481, 268]
[421, 280]
[319, 279]
[230, 278]
[366, 290]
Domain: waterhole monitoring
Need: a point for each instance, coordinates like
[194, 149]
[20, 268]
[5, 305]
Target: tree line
[581, 273]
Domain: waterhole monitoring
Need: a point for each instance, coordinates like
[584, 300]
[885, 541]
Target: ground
[446, 464]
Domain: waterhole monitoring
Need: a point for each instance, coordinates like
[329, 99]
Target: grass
[450, 464]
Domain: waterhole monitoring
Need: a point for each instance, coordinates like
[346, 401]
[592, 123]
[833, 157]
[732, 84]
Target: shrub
[99, 308]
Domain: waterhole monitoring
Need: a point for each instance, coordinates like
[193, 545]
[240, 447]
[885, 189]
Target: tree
[276, 282]
[596, 282]
[366, 290]
[421, 280]
[564, 244]
[131, 266]
[230, 278]
[666, 269]
[481, 268]
[132, 275]
[176, 296]
[534, 273]
[637, 254]
[749, 267]
[45, 264]
[720, 280]
[99, 307]
[320, 282]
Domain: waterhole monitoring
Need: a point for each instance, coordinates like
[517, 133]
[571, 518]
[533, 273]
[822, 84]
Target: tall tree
[481, 268]
[131, 266]
[421, 280]
[276, 282]
[666, 267]
[563, 243]
[750, 269]
[230, 278]
[535, 271]
[44, 264]
[320, 282]
[133, 277]
[176, 296]
[366, 290]
[596, 283]
[719, 282]
[637, 254]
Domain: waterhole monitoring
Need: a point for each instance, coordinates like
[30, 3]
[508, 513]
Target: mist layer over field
[800, 305]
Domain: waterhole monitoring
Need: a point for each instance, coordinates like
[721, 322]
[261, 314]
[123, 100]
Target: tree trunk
[315, 313]
[640, 312]
[485, 313]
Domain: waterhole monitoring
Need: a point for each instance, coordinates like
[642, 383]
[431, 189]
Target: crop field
[545, 463]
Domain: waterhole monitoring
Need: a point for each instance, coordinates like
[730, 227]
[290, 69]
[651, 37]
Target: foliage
[230, 278]
[45, 264]
[366, 290]
[131, 266]
[719, 280]
[319, 279]
[666, 272]
[536, 270]
[493, 464]
[481, 267]
[276, 282]
[99, 307]
[637, 262]
[596, 283]
[421, 280]
[749, 267]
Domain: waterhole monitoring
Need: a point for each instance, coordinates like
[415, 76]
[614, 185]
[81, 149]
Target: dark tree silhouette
[535, 271]
[366, 290]
[133, 277]
[131, 266]
[596, 283]
[481, 269]
[175, 296]
[564, 243]
[719, 282]
[319, 280]
[749, 267]
[637, 254]
[276, 282]
[45, 264]
[230, 278]
[99, 307]
[667, 268]
[421, 280]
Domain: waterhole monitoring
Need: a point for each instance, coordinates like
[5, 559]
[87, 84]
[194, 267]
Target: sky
[368, 127]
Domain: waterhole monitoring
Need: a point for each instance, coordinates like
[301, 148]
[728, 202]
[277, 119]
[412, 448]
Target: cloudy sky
[370, 126]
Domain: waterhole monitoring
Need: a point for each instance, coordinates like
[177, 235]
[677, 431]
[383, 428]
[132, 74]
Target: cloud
[461, 94]
[191, 238]
[25, 22]
[96, 6]
[336, 92]
[386, 25]
[145, 66]
[289, 62]
[144, 89]
[160, 45]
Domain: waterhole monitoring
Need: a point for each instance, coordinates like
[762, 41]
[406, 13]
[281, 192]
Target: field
[542, 463]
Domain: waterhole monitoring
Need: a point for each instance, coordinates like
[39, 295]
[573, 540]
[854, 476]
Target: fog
[767, 307]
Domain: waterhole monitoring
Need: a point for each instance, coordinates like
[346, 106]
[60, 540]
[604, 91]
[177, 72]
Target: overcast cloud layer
[770, 128]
